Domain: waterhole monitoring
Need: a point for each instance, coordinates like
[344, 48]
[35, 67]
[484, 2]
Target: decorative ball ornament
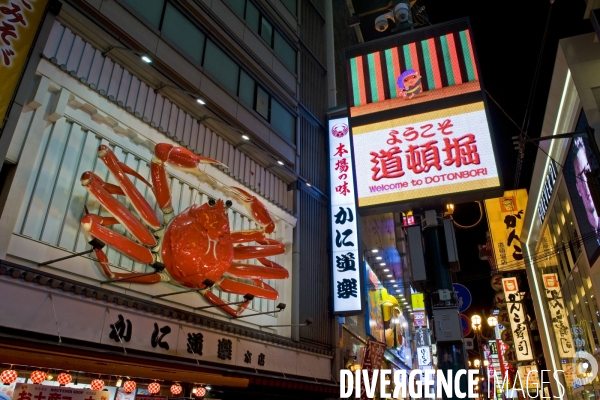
[500, 300]
[128, 386]
[97, 384]
[496, 282]
[64, 378]
[38, 376]
[8, 376]
[200, 392]
[176, 389]
[153, 388]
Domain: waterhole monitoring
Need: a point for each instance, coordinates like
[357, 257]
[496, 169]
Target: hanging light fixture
[128, 386]
[97, 384]
[200, 391]
[176, 389]
[153, 388]
[49, 377]
[8, 376]
[64, 378]
[119, 382]
[38, 376]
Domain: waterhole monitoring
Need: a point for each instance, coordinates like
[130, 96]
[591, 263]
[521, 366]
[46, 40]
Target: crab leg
[271, 270]
[267, 247]
[179, 158]
[119, 170]
[95, 186]
[214, 299]
[255, 207]
[131, 277]
[261, 289]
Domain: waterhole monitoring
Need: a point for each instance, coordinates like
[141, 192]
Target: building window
[238, 6]
[262, 102]
[282, 121]
[266, 31]
[183, 33]
[285, 51]
[252, 17]
[221, 67]
[291, 5]
[151, 11]
[246, 89]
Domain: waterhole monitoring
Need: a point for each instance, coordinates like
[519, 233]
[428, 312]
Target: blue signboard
[463, 296]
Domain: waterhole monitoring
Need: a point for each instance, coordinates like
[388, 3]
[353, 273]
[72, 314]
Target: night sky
[508, 38]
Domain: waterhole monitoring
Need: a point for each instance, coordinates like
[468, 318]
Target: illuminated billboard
[418, 119]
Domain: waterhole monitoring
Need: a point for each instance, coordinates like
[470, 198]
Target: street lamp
[493, 321]
[476, 363]
[476, 322]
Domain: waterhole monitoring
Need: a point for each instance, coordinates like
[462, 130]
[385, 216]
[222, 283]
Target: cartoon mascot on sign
[409, 83]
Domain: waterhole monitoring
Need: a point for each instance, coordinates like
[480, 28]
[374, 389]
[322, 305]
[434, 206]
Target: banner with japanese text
[371, 361]
[505, 216]
[26, 391]
[347, 290]
[425, 155]
[558, 313]
[20, 20]
[518, 319]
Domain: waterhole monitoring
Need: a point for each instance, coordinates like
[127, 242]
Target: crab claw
[256, 208]
[182, 158]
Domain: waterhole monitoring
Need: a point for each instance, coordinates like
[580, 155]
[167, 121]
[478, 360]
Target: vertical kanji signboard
[19, 22]
[417, 112]
[347, 288]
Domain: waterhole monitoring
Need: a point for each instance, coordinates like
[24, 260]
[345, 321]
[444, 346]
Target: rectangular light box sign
[418, 118]
[347, 288]
[518, 322]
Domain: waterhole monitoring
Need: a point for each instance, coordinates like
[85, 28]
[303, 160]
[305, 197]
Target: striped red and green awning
[442, 61]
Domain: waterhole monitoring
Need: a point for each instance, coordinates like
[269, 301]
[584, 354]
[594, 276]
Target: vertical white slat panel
[54, 39]
[176, 194]
[219, 154]
[263, 174]
[276, 190]
[140, 100]
[231, 162]
[75, 55]
[173, 116]
[158, 109]
[282, 194]
[214, 144]
[246, 172]
[271, 187]
[200, 142]
[46, 180]
[194, 135]
[207, 142]
[268, 181]
[79, 196]
[123, 89]
[144, 170]
[226, 148]
[63, 189]
[252, 171]
[187, 130]
[85, 63]
[239, 164]
[180, 128]
[115, 81]
[186, 197]
[147, 116]
[64, 48]
[93, 77]
[166, 112]
[132, 94]
[105, 74]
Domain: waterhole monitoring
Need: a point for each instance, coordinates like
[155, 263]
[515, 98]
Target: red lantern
[8, 376]
[97, 384]
[153, 388]
[38, 376]
[200, 392]
[176, 389]
[64, 378]
[128, 386]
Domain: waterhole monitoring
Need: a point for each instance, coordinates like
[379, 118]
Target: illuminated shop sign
[505, 218]
[558, 314]
[347, 290]
[518, 320]
[547, 190]
[419, 125]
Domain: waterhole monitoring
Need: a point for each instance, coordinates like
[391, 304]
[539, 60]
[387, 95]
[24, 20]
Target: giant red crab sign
[194, 248]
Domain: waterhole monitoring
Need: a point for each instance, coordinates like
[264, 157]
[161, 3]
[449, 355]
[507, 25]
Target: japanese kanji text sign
[518, 319]
[347, 290]
[25, 391]
[425, 155]
[558, 315]
[505, 218]
[19, 22]
[371, 361]
[424, 355]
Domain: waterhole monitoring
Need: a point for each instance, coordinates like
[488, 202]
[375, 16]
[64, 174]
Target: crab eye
[212, 202]
[228, 203]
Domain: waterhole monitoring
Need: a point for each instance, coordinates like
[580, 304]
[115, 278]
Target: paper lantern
[38, 376]
[153, 388]
[128, 386]
[97, 384]
[64, 378]
[200, 392]
[176, 389]
[8, 376]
